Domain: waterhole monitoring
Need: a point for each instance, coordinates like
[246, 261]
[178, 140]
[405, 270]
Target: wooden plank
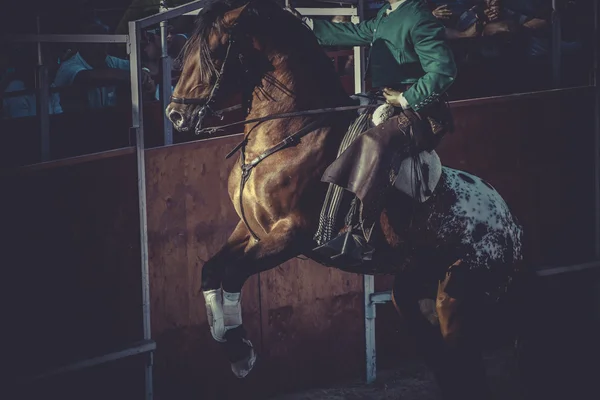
[72, 260]
[313, 325]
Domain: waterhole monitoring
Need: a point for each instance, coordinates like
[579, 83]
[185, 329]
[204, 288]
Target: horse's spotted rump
[482, 221]
[465, 177]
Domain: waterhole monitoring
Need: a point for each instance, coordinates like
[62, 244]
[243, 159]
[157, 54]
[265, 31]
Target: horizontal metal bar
[171, 13]
[64, 162]
[135, 349]
[348, 2]
[327, 11]
[381, 297]
[59, 38]
[193, 13]
[569, 268]
[386, 296]
[19, 93]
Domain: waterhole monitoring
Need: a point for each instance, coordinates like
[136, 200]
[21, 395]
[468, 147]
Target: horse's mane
[265, 18]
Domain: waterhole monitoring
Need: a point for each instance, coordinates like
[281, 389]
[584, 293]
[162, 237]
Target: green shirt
[408, 46]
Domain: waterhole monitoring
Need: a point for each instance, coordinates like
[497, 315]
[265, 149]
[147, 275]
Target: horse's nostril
[175, 117]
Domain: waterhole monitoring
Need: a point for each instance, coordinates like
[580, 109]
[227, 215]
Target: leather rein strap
[289, 141]
[215, 129]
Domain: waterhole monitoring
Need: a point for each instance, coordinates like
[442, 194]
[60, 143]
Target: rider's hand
[395, 98]
[442, 12]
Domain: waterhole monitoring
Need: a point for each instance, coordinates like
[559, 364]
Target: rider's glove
[395, 98]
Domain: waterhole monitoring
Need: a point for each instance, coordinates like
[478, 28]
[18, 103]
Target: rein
[214, 129]
[289, 141]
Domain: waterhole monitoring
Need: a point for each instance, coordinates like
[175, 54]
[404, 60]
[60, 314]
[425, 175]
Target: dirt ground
[413, 381]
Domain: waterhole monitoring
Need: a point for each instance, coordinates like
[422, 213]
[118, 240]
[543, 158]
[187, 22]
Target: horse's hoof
[242, 368]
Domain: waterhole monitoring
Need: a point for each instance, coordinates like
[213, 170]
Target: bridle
[205, 109]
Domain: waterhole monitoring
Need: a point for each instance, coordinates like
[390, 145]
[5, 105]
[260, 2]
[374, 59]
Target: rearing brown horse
[461, 247]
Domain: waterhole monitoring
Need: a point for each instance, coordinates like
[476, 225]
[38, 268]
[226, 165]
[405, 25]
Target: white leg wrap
[214, 313]
[232, 310]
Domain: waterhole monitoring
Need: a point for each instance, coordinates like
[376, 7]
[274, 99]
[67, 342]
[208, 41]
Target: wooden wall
[302, 317]
[72, 254]
[70, 271]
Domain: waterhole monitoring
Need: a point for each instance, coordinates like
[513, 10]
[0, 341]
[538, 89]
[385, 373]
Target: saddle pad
[416, 174]
[410, 179]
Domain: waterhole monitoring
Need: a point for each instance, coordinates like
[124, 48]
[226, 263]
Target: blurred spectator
[458, 16]
[529, 19]
[17, 74]
[152, 52]
[349, 65]
[175, 42]
[93, 76]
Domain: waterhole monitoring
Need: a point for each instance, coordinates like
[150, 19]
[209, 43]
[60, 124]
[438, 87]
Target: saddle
[361, 175]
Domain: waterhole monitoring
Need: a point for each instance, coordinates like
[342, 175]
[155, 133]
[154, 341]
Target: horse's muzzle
[183, 117]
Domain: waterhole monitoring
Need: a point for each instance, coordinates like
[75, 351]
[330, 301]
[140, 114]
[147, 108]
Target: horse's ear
[231, 17]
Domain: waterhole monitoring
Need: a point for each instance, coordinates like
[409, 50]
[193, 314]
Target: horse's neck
[290, 88]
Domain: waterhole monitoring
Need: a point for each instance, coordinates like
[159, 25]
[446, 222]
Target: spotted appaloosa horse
[461, 247]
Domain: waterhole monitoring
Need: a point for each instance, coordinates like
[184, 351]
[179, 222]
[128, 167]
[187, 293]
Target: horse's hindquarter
[465, 219]
[469, 220]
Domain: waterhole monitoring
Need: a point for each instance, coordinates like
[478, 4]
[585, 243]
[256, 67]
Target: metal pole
[596, 43]
[165, 87]
[42, 99]
[368, 280]
[137, 119]
[370, 314]
[556, 41]
[359, 62]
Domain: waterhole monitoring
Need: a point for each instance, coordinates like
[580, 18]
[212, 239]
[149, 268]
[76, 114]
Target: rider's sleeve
[343, 33]
[437, 61]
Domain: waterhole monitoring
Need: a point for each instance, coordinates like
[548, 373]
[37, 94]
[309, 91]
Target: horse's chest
[269, 192]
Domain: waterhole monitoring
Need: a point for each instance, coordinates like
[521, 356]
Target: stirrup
[349, 248]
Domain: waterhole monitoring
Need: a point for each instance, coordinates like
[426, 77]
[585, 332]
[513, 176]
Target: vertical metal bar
[368, 280]
[42, 99]
[359, 52]
[556, 41]
[596, 67]
[42, 106]
[370, 314]
[137, 118]
[165, 86]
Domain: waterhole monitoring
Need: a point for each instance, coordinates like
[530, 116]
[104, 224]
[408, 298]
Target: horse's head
[232, 49]
[213, 51]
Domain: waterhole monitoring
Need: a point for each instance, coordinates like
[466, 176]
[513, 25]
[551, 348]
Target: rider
[411, 63]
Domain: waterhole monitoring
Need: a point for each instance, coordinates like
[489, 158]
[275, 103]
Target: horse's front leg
[212, 276]
[224, 275]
